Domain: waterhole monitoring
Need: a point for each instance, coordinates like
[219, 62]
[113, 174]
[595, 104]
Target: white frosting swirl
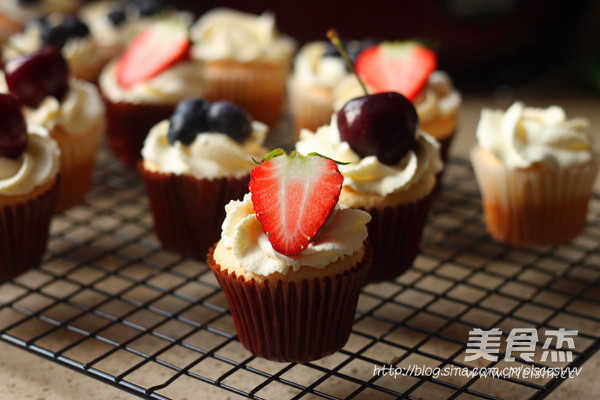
[226, 34]
[523, 136]
[80, 109]
[439, 98]
[369, 175]
[312, 68]
[210, 155]
[342, 234]
[36, 166]
[179, 82]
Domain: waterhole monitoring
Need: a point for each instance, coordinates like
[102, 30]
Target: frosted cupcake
[115, 23]
[195, 163]
[66, 32]
[29, 163]
[318, 70]
[247, 60]
[70, 109]
[391, 173]
[535, 170]
[292, 297]
[410, 69]
[144, 85]
[14, 14]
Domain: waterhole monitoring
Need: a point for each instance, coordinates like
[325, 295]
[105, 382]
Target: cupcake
[391, 173]
[535, 170]
[318, 70]
[247, 60]
[193, 165]
[28, 190]
[66, 32]
[115, 23]
[144, 85]
[410, 69]
[291, 262]
[69, 108]
[14, 14]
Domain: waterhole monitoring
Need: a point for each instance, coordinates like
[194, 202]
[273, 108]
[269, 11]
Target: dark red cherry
[382, 125]
[33, 77]
[13, 131]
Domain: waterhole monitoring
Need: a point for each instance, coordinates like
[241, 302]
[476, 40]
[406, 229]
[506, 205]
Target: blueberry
[74, 27]
[37, 21]
[331, 51]
[148, 8]
[116, 17]
[189, 119]
[54, 36]
[225, 117]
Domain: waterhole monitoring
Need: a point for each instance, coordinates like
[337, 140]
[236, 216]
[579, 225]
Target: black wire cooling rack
[109, 302]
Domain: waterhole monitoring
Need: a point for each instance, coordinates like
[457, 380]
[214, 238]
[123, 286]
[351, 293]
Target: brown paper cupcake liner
[77, 164]
[258, 88]
[395, 234]
[534, 207]
[24, 229]
[188, 212]
[128, 124]
[293, 321]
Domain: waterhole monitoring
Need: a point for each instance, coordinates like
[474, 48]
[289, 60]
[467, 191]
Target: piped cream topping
[312, 68]
[226, 34]
[523, 136]
[211, 155]
[342, 234]
[36, 166]
[179, 82]
[368, 174]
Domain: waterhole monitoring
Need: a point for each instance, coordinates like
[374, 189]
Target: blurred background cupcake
[115, 23]
[29, 165]
[14, 14]
[535, 170]
[318, 70]
[247, 61]
[66, 32]
[71, 109]
[193, 165]
[143, 86]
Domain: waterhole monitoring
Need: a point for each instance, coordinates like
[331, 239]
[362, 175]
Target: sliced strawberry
[155, 49]
[402, 67]
[293, 195]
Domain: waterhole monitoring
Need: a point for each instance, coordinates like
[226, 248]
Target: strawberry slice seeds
[293, 195]
[402, 67]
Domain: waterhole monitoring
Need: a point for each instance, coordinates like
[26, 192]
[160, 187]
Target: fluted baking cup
[294, 320]
[535, 206]
[24, 229]
[188, 212]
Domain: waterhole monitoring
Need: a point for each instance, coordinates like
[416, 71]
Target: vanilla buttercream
[342, 234]
[226, 34]
[523, 136]
[368, 174]
[37, 165]
[211, 155]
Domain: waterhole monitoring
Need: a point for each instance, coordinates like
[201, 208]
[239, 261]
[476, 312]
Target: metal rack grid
[109, 302]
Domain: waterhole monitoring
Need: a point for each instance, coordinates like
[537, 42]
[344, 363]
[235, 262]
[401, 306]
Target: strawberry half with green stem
[402, 67]
[154, 50]
[293, 195]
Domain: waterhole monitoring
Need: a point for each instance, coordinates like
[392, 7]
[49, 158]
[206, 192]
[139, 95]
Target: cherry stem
[334, 38]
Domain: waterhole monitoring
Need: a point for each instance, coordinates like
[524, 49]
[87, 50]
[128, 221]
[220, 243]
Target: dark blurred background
[537, 45]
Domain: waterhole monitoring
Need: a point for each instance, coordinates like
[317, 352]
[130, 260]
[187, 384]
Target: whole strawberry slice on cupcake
[291, 261]
[143, 86]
